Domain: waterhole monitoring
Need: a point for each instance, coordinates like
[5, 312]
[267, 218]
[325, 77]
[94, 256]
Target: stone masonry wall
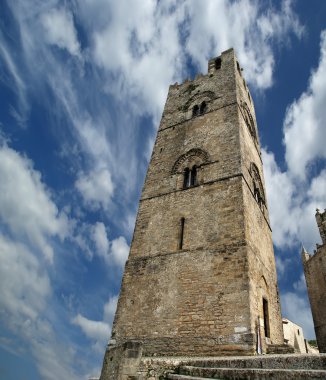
[202, 297]
[315, 273]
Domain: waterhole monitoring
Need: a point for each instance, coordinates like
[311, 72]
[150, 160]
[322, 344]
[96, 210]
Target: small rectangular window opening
[182, 226]
[218, 62]
[266, 318]
[238, 67]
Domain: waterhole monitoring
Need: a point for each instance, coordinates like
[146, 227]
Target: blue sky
[82, 88]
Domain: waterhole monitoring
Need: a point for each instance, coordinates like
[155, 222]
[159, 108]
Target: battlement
[223, 85]
[321, 223]
[214, 65]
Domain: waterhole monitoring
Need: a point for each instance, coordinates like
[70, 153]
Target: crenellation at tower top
[321, 223]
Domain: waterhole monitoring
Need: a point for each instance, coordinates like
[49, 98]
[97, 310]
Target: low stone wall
[158, 368]
[122, 362]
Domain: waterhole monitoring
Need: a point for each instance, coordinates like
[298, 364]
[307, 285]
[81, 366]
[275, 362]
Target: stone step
[199, 373]
[280, 349]
[293, 361]
[174, 376]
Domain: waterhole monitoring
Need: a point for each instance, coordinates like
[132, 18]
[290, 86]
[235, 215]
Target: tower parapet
[321, 223]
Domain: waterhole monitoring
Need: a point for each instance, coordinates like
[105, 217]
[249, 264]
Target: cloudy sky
[82, 88]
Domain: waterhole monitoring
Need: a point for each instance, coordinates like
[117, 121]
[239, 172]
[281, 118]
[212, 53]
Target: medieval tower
[315, 273]
[201, 277]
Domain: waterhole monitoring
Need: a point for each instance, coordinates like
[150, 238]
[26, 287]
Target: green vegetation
[313, 343]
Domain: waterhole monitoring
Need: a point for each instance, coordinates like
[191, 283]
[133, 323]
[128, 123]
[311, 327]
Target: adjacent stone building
[201, 277]
[293, 336]
[315, 272]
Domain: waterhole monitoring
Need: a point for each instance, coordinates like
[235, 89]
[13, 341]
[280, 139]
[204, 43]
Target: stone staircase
[276, 367]
[197, 373]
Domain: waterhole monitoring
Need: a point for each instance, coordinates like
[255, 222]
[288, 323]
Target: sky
[82, 88]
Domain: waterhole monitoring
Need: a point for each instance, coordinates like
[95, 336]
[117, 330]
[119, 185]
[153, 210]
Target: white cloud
[109, 309]
[96, 188]
[304, 126]
[295, 193]
[18, 85]
[152, 40]
[26, 207]
[24, 286]
[296, 308]
[30, 219]
[218, 25]
[120, 250]
[25, 294]
[60, 30]
[147, 36]
[301, 285]
[282, 265]
[292, 207]
[318, 188]
[100, 239]
[96, 330]
[113, 252]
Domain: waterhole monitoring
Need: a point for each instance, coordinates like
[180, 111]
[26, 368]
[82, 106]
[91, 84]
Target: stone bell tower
[201, 277]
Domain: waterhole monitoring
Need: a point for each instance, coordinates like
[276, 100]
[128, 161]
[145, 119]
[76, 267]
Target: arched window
[193, 177]
[195, 110]
[257, 185]
[203, 108]
[249, 120]
[186, 178]
[190, 177]
[187, 168]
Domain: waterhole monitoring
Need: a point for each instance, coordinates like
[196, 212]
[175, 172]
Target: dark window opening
[186, 178]
[190, 177]
[195, 110]
[257, 194]
[298, 332]
[203, 108]
[218, 62]
[182, 226]
[238, 67]
[258, 197]
[249, 97]
[193, 179]
[266, 318]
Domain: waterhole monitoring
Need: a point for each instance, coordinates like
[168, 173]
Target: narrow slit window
[193, 181]
[203, 108]
[182, 227]
[266, 318]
